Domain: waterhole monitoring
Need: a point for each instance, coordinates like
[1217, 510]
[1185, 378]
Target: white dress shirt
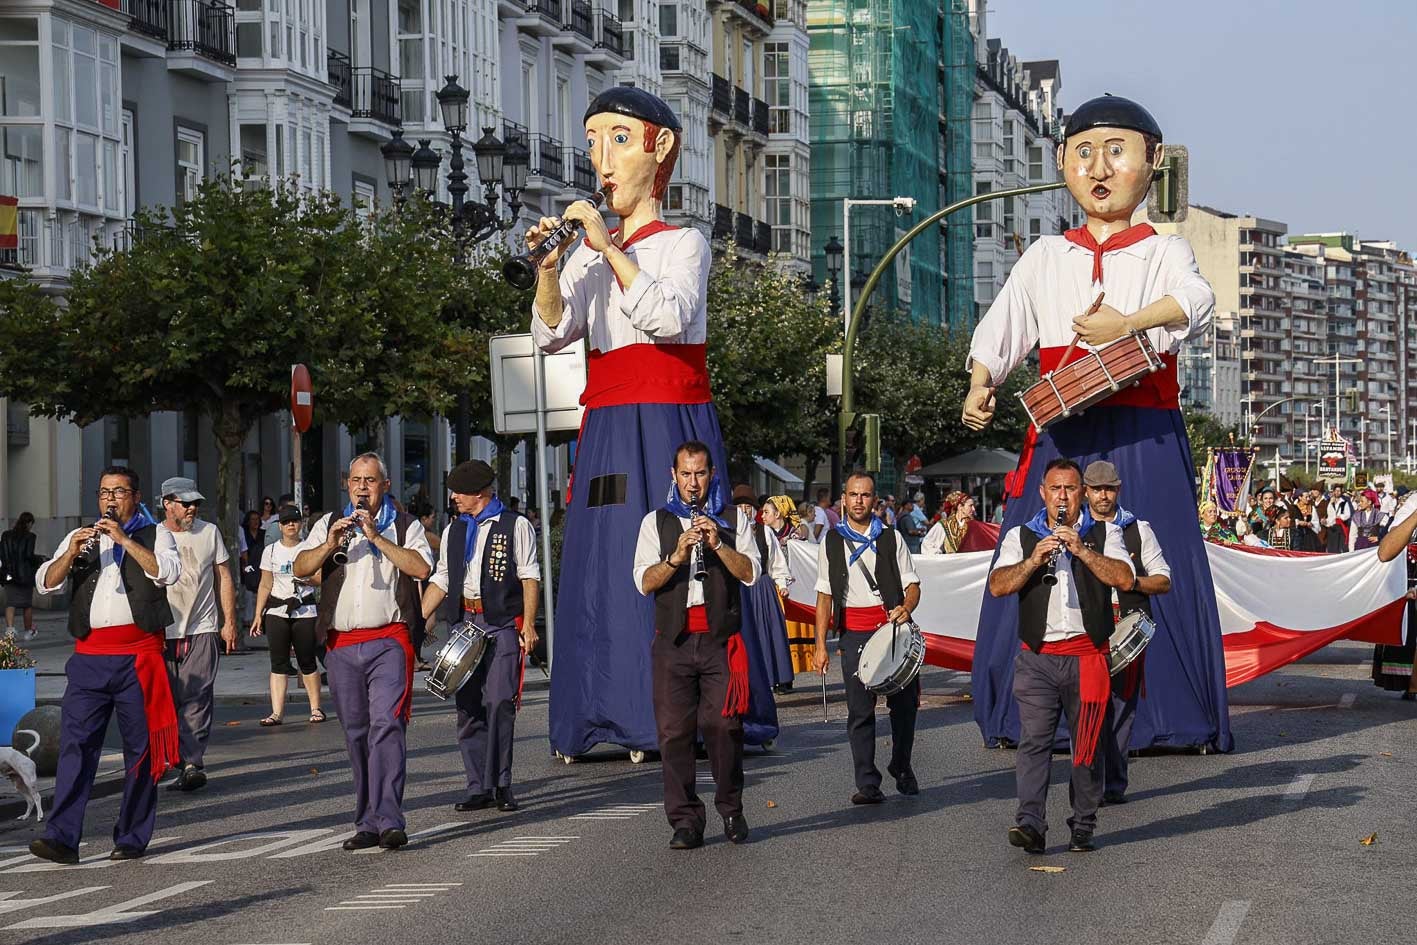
[1051, 284]
[1152, 558]
[1406, 509]
[778, 570]
[1064, 608]
[858, 591]
[367, 599]
[666, 304]
[110, 606]
[647, 553]
[523, 545]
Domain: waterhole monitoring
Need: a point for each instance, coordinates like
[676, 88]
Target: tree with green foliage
[1206, 432]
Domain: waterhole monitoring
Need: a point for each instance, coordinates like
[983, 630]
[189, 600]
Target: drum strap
[871, 583]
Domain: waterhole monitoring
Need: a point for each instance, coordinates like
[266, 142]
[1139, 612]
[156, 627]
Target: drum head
[877, 661]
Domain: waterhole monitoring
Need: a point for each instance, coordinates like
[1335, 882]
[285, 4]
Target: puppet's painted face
[1107, 170]
[617, 149]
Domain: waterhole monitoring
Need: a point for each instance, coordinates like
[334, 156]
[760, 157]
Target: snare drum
[1134, 631]
[1073, 387]
[892, 658]
[457, 660]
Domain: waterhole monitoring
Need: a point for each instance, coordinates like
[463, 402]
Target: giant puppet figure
[637, 294]
[1151, 284]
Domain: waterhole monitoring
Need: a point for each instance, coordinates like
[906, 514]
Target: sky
[1298, 111]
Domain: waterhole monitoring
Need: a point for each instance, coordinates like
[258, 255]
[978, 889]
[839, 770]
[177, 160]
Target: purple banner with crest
[1231, 467]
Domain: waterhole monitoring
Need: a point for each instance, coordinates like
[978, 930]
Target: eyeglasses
[120, 493]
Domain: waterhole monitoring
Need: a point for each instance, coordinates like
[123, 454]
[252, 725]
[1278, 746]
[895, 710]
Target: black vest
[1134, 600]
[722, 596]
[760, 537]
[1094, 596]
[405, 587]
[887, 572]
[146, 599]
[500, 588]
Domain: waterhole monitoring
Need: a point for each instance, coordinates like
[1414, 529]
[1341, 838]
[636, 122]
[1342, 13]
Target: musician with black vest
[691, 555]
[1153, 576]
[861, 588]
[119, 570]
[1063, 571]
[370, 559]
[488, 553]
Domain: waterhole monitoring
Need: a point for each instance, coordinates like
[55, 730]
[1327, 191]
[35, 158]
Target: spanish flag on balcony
[9, 222]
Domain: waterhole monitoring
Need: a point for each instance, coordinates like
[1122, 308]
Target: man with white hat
[192, 647]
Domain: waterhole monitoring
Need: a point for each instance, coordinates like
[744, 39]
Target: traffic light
[1170, 190]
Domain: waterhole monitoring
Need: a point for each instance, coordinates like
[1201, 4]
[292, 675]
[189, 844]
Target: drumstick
[1092, 310]
[825, 716]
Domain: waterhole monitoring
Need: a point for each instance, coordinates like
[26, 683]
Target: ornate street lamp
[398, 162]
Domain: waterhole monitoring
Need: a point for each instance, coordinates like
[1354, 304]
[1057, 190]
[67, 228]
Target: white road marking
[98, 861]
[1227, 922]
[419, 835]
[28, 857]
[392, 896]
[7, 904]
[421, 885]
[112, 915]
[210, 852]
[616, 812]
[1347, 699]
[1298, 787]
[358, 908]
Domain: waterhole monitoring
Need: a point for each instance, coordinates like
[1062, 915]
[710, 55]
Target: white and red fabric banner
[1275, 607]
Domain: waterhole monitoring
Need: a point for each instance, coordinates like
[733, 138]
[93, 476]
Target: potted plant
[16, 685]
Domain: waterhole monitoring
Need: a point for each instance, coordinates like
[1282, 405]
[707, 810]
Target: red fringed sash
[1094, 690]
[147, 651]
[397, 632]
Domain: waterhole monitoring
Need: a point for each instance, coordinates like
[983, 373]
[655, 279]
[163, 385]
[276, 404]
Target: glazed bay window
[87, 135]
[777, 87]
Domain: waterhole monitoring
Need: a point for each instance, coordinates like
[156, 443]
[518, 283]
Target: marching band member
[861, 588]
[489, 554]
[1149, 284]
[699, 660]
[120, 570]
[1153, 577]
[1062, 664]
[367, 605]
[638, 296]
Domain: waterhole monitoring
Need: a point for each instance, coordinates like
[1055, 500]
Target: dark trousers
[367, 684]
[861, 717]
[97, 687]
[487, 710]
[282, 632]
[1045, 686]
[191, 671]
[690, 684]
[1116, 733]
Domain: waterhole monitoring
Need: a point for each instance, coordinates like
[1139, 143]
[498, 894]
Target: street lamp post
[834, 253]
[1337, 361]
[473, 221]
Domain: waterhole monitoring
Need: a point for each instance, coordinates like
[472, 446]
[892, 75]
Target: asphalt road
[1259, 846]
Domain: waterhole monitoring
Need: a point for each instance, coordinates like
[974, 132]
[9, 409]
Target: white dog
[20, 770]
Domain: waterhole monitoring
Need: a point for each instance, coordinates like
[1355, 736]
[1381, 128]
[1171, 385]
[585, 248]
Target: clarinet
[89, 552]
[696, 556]
[520, 271]
[341, 555]
[1050, 573]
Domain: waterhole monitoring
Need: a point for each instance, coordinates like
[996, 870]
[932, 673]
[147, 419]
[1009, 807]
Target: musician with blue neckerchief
[866, 579]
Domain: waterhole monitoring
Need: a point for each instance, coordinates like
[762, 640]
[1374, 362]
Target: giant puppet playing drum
[638, 296]
[1154, 293]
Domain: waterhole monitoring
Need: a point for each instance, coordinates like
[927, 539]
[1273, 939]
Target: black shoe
[54, 852]
[686, 839]
[1114, 797]
[474, 802]
[362, 840]
[1081, 842]
[190, 778]
[868, 795]
[121, 852]
[505, 800]
[735, 828]
[782, 688]
[392, 839]
[1028, 838]
[905, 781]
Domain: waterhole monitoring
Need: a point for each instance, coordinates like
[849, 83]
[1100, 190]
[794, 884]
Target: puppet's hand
[596, 233]
[1104, 325]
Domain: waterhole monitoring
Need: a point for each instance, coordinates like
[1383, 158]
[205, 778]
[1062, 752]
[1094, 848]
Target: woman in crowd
[18, 563]
[762, 603]
[946, 535]
[1363, 528]
[250, 541]
[807, 514]
[268, 511]
[789, 522]
[285, 612]
[1212, 529]
[782, 517]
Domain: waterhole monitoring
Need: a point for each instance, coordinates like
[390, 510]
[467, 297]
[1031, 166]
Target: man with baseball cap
[1153, 576]
[488, 560]
[192, 648]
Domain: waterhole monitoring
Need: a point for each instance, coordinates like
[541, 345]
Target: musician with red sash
[371, 559]
[119, 570]
[638, 297]
[1061, 568]
[1149, 284]
[866, 579]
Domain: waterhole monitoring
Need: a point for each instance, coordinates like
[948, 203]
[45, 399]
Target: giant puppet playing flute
[1110, 282]
[638, 295]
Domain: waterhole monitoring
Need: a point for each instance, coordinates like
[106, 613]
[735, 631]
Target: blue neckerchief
[710, 507]
[1123, 518]
[861, 542]
[141, 519]
[493, 509]
[1042, 523]
[387, 513]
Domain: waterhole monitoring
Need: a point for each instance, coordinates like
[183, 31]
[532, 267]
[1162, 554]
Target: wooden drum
[1073, 387]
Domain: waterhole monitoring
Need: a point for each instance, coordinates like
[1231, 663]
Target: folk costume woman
[1148, 284]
